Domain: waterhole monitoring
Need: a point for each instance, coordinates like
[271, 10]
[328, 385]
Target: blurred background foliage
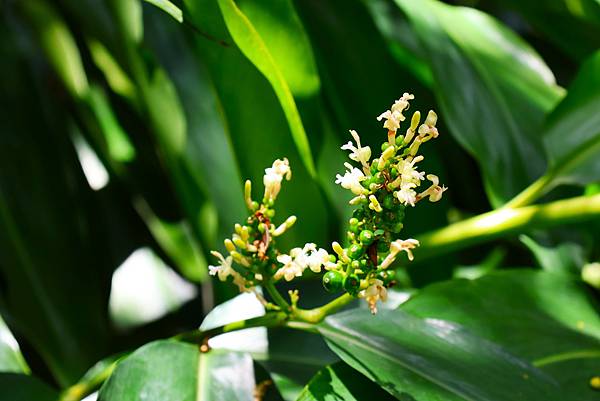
[126, 136]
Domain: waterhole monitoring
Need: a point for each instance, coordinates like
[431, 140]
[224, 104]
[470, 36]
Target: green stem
[318, 314]
[277, 297]
[272, 319]
[533, 192]
[506, 221]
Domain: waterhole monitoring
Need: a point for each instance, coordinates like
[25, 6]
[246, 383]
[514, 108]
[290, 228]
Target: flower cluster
[382, 189]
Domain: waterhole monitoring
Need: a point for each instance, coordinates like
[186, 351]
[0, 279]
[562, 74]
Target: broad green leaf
[432, 359]
[339, 382]
[580, 18]
[572, 131]
[259, 130]
[545, 318]
[11, 359]
[290, 367]
[168, 370]
[566, 258]
[493, 89]
[209, 152]
[18, 387]
[53, 243]
[253, 46]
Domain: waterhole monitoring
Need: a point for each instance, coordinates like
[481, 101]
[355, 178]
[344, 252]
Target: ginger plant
[383, 188]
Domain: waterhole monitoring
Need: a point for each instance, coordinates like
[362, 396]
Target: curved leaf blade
[169, 370]
[254, 48]
[429, 358]
[494, 91]
[572, 131]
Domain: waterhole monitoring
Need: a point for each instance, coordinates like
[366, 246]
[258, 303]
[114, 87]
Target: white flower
[408, 171]
[392, 119]
[273, 177]
[407, 195]
[317, 259]
[398, 246]
[224, 269]
[299, 260]
[402, 104]
[358, 154]
[373, 293]
[290, 268]
[351, 180]
[435, 191]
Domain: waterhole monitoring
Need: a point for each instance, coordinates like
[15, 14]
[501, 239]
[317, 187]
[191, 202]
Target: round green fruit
[352, 283]
[333, 281]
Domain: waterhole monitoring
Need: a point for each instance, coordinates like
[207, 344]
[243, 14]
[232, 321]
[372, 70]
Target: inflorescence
[382, 187]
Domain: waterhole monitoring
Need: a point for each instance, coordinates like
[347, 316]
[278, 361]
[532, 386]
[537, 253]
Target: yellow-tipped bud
[239, 242]
[337, 248]
[287, 224]
[238, 228]
[248, 195]
[229, 245]
[374, 204]
[385, 156]
[415, 120]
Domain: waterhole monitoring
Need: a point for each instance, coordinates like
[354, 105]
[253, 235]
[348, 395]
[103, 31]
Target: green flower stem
[506, 221]
[271, 319]
[533, 192]
[318, 314]
[276, 295]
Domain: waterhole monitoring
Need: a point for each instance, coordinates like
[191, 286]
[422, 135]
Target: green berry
[355, 264]
[353, 221]
[384, 146]
[366, 237]
[400, 140]
[333, 281]
[394, 172]
[270, 213]
[355, 251]
[332, 258]
[352, 283]
[379, 178]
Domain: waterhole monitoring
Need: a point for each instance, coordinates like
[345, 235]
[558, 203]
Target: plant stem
[277, 297]
[271, 319]
[506, 221]
[318, 314]
[533, 192]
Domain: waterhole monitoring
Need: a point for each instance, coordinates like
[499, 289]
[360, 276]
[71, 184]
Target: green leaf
[290, 367]
[339, 382]
[565, 258]
[17, 387]
[258, 129]
[253, 46]
[580, 18]
[53, 243]
[428, 358]
[572, 131]
[545, 318]
[168, 370]
[493, 89]
[169, 8]
[11, 359]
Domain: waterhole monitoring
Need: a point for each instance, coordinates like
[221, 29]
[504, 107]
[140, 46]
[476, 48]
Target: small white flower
[398, 246]
[317, 259]
[351, 180]
[408, 171]
[392, 119]
[435, 191]
[358, 154]
[402, 104]
[373, 293]
[224, 269]
[273, 177]
[407, 195]
[290, 268]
